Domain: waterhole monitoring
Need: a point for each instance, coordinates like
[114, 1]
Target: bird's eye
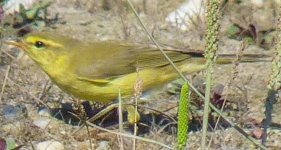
[39, 44]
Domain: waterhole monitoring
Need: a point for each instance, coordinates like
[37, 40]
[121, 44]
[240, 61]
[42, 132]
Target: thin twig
[137, 94]
[120, 113]
[88, 132]
[130, 136]
[4, 82]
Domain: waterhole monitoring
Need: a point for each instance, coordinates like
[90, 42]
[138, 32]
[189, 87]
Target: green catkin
[213, 26]
[183, 117]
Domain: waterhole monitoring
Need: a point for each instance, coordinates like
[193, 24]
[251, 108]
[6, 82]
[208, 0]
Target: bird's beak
[14, 43]
[17, 43]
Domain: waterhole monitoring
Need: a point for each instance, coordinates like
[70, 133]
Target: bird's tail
[229, 58]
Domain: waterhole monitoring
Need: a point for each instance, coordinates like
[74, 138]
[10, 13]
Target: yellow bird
[97, 70]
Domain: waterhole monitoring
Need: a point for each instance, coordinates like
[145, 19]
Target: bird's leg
[78, 108]
[133, 115]
[103, 112]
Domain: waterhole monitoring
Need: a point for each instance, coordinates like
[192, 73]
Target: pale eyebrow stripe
[47, 42]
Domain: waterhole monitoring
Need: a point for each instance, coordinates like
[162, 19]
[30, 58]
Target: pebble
[44, 112]
[12, 6]
[183, 16]
[103, 145]
[11, 112]
[50, 145]
[42, 122]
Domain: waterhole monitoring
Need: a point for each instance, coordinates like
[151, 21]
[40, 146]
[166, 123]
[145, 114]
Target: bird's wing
[110, 60]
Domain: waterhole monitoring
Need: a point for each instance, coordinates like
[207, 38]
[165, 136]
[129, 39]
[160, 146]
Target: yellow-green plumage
[96, 71]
